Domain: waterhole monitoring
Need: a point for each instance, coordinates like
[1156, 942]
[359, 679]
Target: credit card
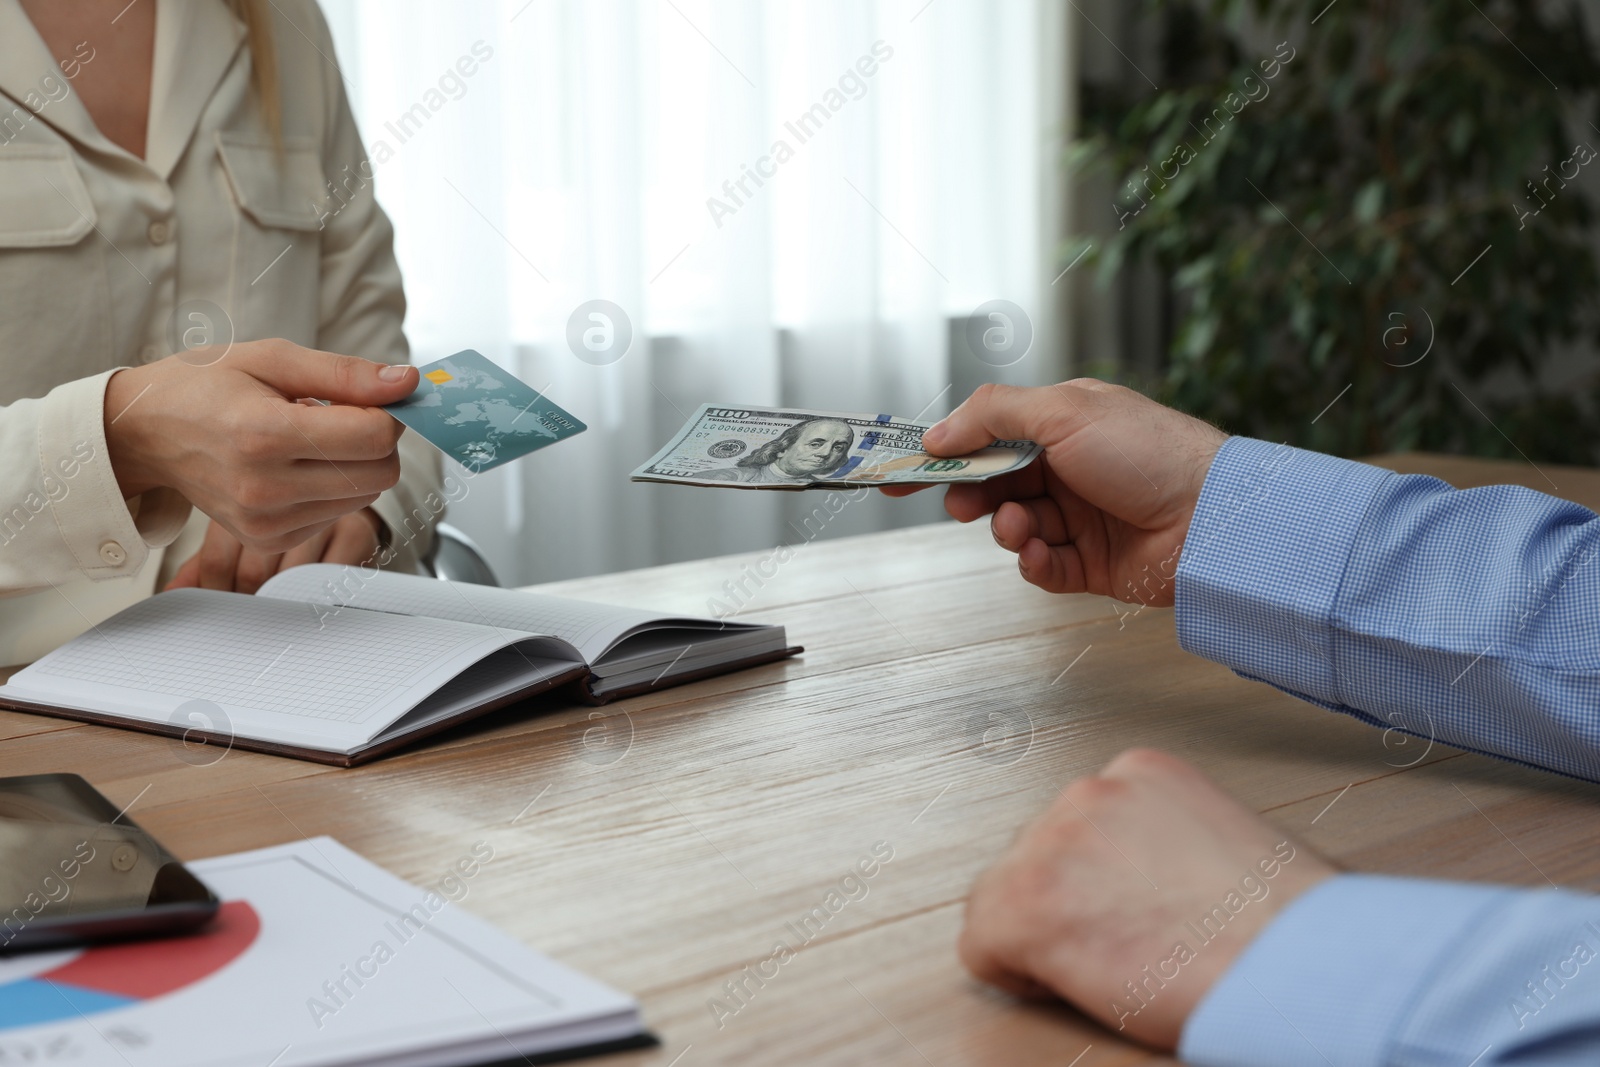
[479, 415]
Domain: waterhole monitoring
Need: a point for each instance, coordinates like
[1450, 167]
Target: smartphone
[75, 870]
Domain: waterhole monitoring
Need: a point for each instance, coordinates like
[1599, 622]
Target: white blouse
[108, 260]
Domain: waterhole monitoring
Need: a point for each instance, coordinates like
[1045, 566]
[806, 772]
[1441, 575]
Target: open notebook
[339, 666]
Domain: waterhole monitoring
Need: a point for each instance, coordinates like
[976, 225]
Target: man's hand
[1147, 873]
[1106, 508]
[224, 563]
[231, 437]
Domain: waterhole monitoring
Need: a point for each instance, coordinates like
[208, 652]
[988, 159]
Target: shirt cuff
[1334, 978]
[109, 537]
[1263, 560]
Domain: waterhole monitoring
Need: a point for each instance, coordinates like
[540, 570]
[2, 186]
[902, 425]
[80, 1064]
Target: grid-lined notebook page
[279, 670]
[332, 588]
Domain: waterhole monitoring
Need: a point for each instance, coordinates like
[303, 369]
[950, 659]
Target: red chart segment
[144, 969]
[106, 977]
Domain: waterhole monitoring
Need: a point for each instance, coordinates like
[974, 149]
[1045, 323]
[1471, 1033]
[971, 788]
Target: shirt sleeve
[1369, 970]
[362, 304]
[1469, 617]
[64, 516]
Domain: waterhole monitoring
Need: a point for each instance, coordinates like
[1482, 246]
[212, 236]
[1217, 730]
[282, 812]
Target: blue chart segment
[33, 1001]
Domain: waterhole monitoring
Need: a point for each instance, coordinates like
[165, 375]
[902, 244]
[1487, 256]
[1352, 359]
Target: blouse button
[159, 232]
[113, 553]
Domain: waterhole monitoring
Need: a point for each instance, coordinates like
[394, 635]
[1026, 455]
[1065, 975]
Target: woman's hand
[224, 563]
[1106, 508]
[231, 437]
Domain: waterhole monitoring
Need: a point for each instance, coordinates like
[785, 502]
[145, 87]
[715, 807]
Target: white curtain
[790, 202]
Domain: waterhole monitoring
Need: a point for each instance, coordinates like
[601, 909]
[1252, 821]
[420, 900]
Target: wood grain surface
[668, 842]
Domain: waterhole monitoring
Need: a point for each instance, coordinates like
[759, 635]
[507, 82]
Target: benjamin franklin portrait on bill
[804, 452]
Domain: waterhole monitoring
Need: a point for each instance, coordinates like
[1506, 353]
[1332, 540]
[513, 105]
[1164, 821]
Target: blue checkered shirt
[1467, 616]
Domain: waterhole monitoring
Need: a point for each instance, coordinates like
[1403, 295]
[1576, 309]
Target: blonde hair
[257, 18]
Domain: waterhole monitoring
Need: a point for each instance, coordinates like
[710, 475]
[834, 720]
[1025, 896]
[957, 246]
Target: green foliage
[1318, 219]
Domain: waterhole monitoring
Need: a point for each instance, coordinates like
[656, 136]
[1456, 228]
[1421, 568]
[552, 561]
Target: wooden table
[665, 843]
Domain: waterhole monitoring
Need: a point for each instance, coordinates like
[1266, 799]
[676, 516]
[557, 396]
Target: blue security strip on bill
[473, 411]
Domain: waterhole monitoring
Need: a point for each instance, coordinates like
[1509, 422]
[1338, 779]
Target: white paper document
[317, 959]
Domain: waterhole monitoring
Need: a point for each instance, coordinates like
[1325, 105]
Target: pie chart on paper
[47, 987]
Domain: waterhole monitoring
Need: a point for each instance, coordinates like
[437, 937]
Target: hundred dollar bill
[797, 448]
